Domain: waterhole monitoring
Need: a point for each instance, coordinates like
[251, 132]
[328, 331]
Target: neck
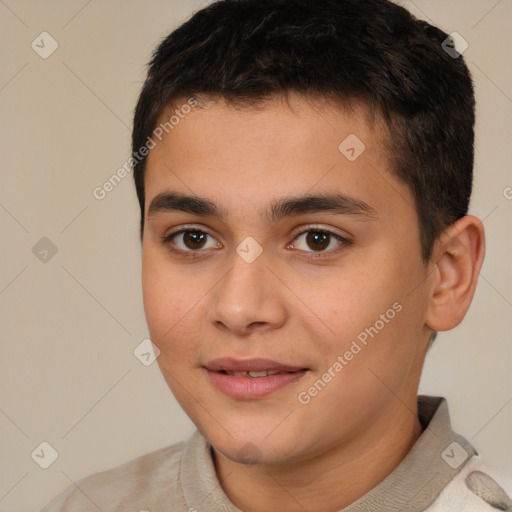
[330, 481]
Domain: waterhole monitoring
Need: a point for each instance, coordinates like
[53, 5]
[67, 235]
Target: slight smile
[251, 378]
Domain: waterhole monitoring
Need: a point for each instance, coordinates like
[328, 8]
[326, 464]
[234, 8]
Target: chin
[251, 454]
[255, 451]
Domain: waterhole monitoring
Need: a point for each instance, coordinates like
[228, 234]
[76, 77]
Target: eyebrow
[286, 206]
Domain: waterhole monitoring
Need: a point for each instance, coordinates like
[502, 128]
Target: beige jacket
[441, 473]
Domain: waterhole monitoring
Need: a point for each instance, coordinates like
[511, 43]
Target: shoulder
[473, 489]
[144, 482]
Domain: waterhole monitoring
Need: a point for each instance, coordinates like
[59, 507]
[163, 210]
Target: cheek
[368, 306]
[172, 306]
[346, 304]
[160, 291]
[154, 294]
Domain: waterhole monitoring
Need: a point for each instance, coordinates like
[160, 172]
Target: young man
[304, 171]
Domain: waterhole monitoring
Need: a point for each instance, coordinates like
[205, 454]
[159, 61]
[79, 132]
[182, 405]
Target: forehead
[252, 155]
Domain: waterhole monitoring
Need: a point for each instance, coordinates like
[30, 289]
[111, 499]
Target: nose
[249, 299]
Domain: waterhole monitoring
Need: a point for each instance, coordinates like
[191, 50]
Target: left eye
[190, 240]
[318, 240]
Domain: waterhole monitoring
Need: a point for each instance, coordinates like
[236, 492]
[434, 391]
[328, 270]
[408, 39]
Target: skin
[285, 307]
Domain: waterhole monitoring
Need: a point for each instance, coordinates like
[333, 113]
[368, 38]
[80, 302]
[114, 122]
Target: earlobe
[457, 258]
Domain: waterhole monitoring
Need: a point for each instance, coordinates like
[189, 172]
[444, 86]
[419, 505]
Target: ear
[457, 258]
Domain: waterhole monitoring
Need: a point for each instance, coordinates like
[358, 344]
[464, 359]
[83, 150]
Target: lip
[249, 365]
[250, 388]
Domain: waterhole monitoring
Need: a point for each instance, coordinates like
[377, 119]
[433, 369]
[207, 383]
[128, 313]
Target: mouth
[252, 378]
[253, 374]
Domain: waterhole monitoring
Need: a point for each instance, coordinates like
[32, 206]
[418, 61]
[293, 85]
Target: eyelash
[345, 242]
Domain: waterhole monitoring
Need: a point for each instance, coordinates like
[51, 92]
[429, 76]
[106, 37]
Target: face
[298, 261]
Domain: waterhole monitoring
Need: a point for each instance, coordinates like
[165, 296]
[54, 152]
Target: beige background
[68, 375]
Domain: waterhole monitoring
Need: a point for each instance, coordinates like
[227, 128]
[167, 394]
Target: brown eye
[194, 239]
[318, 240]
[189, 241]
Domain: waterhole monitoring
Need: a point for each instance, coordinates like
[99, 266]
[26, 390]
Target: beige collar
[436, 457]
